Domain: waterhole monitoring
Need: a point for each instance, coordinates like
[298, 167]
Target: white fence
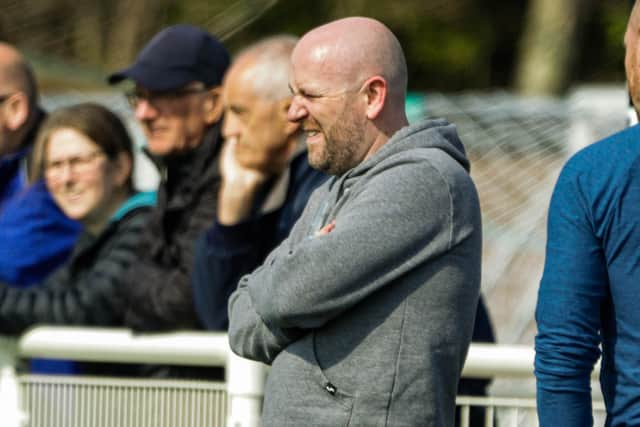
[42, 401]
[52, 401]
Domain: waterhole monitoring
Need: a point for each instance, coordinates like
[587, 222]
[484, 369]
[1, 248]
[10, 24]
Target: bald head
[354, 49]
[15, 74]
[349, 80]
[18, 88]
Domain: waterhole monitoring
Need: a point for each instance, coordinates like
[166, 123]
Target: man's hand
[237, 174]
[267, 142]
[240, 185]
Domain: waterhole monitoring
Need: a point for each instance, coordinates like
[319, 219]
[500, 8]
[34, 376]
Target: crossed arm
[378, 236]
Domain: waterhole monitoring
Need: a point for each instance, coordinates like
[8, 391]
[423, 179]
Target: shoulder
[135, 212]
[33, 208]
[599, 184]
[597, 171]
[613, 156]
[428, 169]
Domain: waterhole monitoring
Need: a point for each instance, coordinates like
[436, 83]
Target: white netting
[517, 147]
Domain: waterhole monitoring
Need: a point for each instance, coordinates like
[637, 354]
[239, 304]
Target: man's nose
[230, 126]
[297, 111]
[144, 110]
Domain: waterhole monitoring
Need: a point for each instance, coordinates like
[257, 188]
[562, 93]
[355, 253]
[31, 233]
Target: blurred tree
[549, 45]
[450, 45]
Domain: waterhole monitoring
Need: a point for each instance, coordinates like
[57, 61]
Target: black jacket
[159, 289]
[85, 291]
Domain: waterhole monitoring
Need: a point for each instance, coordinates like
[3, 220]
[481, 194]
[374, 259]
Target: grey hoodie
[369, 324]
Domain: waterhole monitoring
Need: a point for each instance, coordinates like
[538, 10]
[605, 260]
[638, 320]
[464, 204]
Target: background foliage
[450, 45]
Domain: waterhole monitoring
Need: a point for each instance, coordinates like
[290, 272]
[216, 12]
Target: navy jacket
[226, 253]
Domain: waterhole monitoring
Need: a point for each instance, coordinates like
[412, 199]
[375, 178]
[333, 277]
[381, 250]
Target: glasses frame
[157, 98]
[78, 165]
[6, 96]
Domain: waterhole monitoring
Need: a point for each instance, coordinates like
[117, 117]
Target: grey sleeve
[403, 216]
[249, 336]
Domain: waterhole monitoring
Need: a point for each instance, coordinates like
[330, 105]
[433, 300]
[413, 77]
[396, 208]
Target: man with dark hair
[365, 311]
[35, 236]
[266, 179]
[590, 289]
[177, 101]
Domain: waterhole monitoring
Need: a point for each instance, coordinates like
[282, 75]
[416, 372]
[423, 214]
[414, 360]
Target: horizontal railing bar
[212, 349]
[510, 402]
[491, 361]
[104, 381]
[122, 346]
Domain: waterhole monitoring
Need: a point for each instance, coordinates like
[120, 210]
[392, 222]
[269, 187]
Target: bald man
[590, 289]
[365, 312]
[266, 178]
[35, 236]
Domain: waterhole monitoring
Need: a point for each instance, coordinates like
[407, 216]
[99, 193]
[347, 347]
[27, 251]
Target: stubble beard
[338, 152]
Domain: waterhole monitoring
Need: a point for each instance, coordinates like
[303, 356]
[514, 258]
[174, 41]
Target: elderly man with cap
[177, 101]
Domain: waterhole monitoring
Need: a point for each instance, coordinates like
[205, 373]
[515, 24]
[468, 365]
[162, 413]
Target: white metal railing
[244, 378]
[244, 382]
[491, 360]
[506, 361]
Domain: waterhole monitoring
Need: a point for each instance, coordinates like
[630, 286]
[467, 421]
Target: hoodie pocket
[299, 393]
[337, 393]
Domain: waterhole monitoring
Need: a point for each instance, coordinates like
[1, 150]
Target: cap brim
[152, 78]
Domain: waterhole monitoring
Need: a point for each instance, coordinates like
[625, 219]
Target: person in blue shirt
[589, 297]
[266, 178]
[35, 236]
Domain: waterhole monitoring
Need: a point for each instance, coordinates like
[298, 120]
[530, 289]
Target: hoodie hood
[431, 133]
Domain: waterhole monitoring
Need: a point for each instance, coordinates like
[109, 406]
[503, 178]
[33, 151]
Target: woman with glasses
[85, 155]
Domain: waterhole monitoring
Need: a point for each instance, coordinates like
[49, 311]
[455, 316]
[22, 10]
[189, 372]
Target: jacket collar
[182, 175]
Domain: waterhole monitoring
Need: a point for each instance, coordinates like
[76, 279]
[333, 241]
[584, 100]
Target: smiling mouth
[72, 196]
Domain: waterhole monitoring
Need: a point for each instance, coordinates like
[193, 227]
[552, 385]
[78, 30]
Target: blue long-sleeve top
[226, 253]
[589, 296]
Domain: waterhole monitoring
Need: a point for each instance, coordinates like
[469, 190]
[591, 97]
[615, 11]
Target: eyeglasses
[78, 165]
[5, 97]
[158, 99]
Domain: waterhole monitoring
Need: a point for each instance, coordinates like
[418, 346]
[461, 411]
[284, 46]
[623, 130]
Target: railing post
[12, 416]
[245, 389]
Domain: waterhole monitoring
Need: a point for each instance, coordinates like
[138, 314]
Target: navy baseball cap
[175, 57]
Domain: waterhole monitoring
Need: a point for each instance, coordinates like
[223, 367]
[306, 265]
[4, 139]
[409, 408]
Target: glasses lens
[159, 98]
[132, 99]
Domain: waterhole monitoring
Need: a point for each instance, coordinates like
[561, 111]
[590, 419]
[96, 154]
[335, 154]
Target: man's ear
[213, 105]
[283, 110]
[17, 107]
[376, 93]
